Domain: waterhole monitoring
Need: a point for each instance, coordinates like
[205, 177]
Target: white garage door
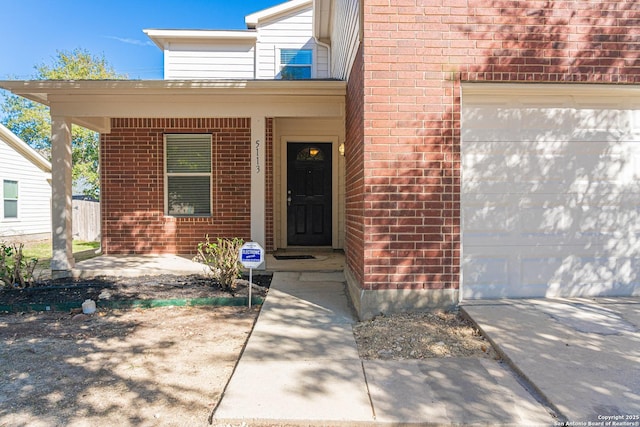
[550, 190]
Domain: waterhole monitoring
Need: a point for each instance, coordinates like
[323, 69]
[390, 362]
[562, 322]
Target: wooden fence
[86, 220]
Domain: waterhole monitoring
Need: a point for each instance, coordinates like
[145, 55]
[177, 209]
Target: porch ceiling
[93, 103]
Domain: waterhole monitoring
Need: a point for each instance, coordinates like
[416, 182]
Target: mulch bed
[108, 288]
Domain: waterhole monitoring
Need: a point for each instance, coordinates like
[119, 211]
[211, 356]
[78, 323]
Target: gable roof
[163, 37]
[253, 19]
[24, 149]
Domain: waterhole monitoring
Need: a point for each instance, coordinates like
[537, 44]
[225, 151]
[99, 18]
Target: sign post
[251, 256]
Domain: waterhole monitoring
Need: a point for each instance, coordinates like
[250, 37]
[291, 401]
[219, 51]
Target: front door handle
[288, 197]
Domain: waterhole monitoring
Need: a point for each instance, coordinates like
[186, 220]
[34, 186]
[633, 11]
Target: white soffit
[322, 20]
[162, 38]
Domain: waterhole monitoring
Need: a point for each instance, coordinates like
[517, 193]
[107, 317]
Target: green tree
[32, 122]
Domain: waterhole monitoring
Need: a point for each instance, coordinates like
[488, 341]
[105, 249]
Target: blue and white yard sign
[251, 255]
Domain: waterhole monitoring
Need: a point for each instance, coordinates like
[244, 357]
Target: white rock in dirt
[89, 306]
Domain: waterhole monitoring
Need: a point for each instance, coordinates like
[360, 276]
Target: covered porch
[277, 113]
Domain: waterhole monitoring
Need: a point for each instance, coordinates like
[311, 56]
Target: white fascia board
[24, 149]
[42, 90]
[163, 37]
[253, 19]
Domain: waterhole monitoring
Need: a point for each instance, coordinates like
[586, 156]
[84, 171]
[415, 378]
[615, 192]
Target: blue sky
[32, 30]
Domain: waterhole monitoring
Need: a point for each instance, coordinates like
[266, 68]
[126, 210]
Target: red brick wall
[416, 52]
[132, 191]
[269, 219]
[354, 180]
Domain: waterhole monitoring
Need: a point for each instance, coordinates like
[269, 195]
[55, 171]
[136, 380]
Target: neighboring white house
[278, 43]
[25, 189]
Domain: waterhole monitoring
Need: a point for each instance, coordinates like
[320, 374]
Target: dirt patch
[163, 366]
[161, 287]
[420, 336]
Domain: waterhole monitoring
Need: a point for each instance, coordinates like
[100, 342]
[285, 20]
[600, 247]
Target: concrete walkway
[301, 367]
[137, 265]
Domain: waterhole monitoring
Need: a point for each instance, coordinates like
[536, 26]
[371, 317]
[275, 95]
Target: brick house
[453, 149]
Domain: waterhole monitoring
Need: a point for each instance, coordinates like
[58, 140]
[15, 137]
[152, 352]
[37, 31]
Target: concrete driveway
[582, 356]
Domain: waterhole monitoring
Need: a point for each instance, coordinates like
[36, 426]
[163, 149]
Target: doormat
[287, 257]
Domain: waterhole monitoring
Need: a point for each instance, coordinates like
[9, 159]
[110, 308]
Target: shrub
[221, 257]
[15, 270]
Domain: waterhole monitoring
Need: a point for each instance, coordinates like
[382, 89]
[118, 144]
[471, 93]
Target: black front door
[309, 194]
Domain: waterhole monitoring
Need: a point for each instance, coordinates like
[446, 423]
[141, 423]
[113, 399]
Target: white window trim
[17, 217]
[166, 177]
[314, 60]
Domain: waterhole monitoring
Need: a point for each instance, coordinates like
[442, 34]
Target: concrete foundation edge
[371, 303]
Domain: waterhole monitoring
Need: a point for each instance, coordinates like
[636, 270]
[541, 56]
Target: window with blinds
[10, 195]
[295, 64]
[188, 174]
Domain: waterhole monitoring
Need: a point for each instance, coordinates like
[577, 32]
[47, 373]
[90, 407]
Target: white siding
[222, 58]
[34, 195]
[344, 37]
[289, 31]
[227, 60]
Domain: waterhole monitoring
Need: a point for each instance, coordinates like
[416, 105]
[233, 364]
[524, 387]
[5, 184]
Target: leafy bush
[16, 271]
[222, 258]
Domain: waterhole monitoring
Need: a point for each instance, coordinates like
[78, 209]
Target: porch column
[61, 194]
[258, 176]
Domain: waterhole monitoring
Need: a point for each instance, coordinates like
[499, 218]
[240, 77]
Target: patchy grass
[42, 250]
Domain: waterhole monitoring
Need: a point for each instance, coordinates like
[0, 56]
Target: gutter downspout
[328, 47]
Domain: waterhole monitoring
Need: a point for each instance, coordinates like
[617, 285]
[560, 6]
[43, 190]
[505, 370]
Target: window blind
[295, 56]
[188, 180]
[295, 64]
[188, 153]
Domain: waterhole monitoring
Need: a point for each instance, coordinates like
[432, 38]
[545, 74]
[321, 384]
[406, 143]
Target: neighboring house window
[188, 174]
[10, 194]
[295, 63]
